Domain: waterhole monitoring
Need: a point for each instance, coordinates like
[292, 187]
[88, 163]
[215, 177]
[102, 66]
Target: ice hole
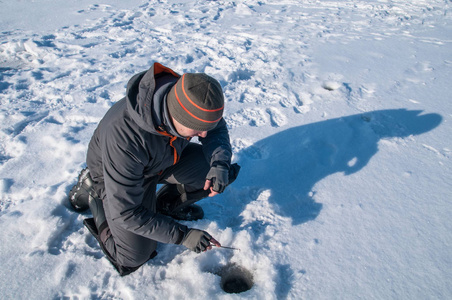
[236, 279]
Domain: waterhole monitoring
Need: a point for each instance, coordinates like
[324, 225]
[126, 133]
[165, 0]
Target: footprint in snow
[277, 119]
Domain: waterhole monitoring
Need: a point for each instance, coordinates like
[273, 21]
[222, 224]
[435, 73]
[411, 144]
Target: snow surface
[339, 113]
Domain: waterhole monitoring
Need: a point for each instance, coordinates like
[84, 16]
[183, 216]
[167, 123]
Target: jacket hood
[141, 88]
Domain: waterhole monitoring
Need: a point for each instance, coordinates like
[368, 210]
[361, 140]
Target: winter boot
[172, 201]
[79, 194]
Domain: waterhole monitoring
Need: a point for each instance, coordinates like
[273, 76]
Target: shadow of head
[291, 162]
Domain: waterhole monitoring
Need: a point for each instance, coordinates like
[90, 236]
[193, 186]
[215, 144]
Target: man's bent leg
[191, 170]
[184, 178]
[125, 250]
[190, 173]
[130, 250]
[108, 246]
[185, 185]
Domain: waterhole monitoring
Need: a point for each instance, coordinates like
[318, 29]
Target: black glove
[197, 240]
[219, 176]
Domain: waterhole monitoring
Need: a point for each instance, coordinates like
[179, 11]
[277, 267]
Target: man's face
[187, 132]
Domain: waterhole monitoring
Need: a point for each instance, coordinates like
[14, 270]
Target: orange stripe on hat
[196, 101]
[192, 102]
[190, 113]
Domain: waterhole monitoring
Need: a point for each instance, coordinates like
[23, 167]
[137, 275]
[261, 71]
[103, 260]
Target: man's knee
[133, 250]
[135, 260]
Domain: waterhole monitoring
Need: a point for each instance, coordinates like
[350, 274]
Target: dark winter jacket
[131, 145]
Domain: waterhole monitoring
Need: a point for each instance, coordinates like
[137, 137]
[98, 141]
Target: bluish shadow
[291, 162]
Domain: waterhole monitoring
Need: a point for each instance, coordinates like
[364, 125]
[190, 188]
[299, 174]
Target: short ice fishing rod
[226, 247]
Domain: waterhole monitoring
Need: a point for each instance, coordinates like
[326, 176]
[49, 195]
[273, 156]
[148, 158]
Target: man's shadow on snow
[289, 164]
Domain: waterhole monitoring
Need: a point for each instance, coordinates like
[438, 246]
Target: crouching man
[142, 141]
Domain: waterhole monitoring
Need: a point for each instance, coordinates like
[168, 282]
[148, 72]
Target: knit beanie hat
[196, 101]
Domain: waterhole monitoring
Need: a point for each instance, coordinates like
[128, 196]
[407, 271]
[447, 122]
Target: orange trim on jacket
[172, 139]
[159, 68]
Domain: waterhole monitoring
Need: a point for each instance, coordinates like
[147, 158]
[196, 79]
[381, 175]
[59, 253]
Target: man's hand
[217, 179]
[199, 241]
[208, 185]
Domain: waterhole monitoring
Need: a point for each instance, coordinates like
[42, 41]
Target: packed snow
[339, 113]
